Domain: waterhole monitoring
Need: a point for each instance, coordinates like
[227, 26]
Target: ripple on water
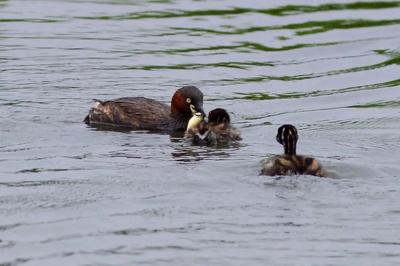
[70, 194]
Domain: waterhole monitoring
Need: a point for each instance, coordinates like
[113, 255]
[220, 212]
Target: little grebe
[290, 163]
[217, 130]
[139, 113]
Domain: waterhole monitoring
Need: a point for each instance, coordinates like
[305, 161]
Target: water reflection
[288, 10]
[330, 68]
[192, 153]
[186, 151]
[306, 28]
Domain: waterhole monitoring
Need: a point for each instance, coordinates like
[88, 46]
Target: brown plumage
[289, 163]
[139, 113]
[218, 129]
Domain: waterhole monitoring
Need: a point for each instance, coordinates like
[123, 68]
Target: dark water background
[73, 195]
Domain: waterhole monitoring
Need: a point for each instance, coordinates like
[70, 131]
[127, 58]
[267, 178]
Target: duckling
[290, 163]
[216, 130]
[139, 113]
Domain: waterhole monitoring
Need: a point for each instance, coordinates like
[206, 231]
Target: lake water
[74, 195]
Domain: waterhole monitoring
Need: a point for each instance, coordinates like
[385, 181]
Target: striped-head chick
[219, 116]
[287, 136]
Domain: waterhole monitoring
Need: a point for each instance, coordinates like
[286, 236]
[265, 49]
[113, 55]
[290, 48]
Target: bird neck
[290, 148]
[178, 122]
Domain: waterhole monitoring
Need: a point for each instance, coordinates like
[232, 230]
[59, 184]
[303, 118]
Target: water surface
[74, 195]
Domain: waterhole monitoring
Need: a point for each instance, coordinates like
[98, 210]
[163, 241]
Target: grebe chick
[139, 113]
[289, 163]
[217, 130]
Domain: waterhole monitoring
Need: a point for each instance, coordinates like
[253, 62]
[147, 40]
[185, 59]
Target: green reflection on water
[299, 9]
[257, 96]
[309, 27]
[324, 26]
[279, 11]
[238, 65]
[394, 60]
[378, 104]
[247, 46]
[7, 20]
[265, 96]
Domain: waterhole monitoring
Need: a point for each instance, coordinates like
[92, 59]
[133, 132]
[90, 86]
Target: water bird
[290, 163]
[217, 129]
[139, 113]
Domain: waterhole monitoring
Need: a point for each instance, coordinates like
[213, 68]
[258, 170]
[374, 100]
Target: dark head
[186, 102]
[218, 116]
[287, 136]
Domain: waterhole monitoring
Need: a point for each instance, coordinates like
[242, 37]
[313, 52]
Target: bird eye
[188, 100]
